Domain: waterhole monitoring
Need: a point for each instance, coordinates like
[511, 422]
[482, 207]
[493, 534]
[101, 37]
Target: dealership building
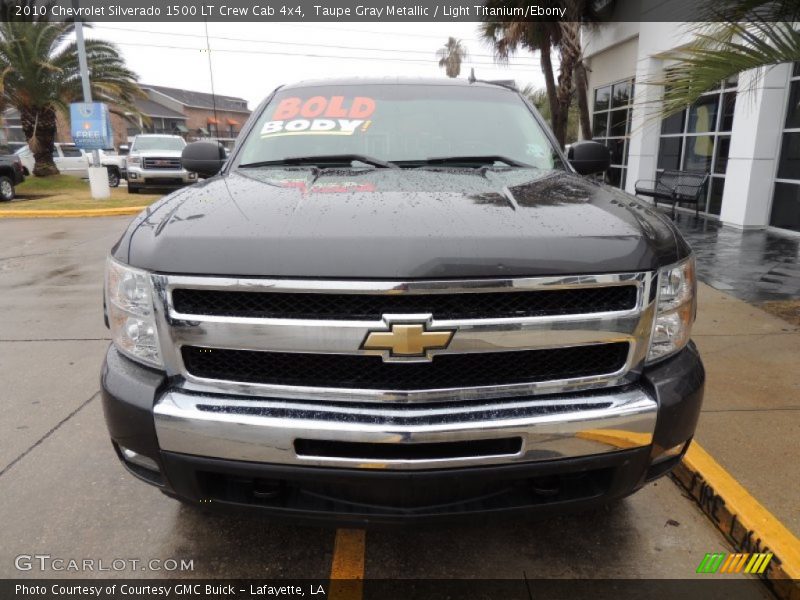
[745, 133]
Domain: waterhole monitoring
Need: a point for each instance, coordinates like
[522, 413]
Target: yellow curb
[742, 519]
[84, 212]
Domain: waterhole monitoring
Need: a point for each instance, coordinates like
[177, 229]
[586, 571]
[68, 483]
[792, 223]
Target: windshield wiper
[322, 159]
[488, 159]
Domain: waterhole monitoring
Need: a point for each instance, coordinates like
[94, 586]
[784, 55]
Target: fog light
[133, 176]
[139, 460]
[192, 175]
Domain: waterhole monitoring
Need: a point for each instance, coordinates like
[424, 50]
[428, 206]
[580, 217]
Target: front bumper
[576, 451]
[139, 176]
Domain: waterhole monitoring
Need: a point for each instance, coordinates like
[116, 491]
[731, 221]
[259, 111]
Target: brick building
[193, 115]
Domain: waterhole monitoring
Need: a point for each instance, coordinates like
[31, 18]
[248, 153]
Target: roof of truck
[438, 81]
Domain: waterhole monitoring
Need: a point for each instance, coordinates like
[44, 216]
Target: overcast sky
[250, 59]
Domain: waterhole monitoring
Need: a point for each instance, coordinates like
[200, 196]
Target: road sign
[91, 125]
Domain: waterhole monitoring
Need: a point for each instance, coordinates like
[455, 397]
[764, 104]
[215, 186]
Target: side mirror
[204, 158]
[589, 157]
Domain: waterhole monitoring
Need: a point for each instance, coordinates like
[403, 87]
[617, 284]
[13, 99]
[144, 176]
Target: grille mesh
[161, 163]
[371, 307]
[370, 372]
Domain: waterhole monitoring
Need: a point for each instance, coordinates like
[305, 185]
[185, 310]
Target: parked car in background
[155, 160]
[23, 152]
[73, 161]
[69, 159]
[11, 173]
[114, 164]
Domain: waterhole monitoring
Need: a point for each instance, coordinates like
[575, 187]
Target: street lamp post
[98, 176]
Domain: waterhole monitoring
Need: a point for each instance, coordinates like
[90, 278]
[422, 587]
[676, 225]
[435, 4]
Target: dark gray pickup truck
[399, 301]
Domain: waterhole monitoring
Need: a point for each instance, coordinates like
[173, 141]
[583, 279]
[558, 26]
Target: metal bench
[675, 186]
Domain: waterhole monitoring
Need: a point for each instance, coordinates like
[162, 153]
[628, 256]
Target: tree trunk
[549, 81]
[39, 127]
[570, 51]
[581, 88]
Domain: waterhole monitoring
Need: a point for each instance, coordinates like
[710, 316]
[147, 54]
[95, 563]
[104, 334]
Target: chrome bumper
[139, 174]
[265, 431]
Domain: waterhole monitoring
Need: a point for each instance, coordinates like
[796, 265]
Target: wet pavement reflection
[755, 266]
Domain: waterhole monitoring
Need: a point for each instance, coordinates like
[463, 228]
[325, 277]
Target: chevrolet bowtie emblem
[407, 340]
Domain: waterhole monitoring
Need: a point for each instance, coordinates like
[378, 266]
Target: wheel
[132, 189]
[113, 178]
[6, 189]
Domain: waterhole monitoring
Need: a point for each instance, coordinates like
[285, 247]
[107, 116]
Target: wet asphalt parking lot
[63, 493]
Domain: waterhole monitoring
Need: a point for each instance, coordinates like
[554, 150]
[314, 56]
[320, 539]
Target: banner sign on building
[91, 125]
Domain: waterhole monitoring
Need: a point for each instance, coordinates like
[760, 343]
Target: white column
[755, 147]
[645, 123]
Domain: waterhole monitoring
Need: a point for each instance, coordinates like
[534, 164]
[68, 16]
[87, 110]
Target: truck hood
[394, 224]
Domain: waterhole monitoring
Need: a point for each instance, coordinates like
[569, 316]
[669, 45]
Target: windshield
[157, 143]
[397, 123]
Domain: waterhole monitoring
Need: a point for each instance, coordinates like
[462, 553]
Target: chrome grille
[525, 342]
[166, 163]
[571, 301]
[370, 372]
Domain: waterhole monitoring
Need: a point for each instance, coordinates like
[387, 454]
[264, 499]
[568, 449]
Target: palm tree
[748, 34]
[40, 76]
[538, 97]
[451, 55]
[506, 37]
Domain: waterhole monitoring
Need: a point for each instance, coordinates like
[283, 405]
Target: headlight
[129, 303]
[134, 160]
[675, 311]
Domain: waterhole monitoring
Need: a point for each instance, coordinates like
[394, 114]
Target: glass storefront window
[669, 153]
[793, 109]
[673, 123]
[698, 139]
[789, 163]
[723, 149]
[611, 117]
[699, 150]
[786, 206]
[785, 212]
[703, 115]
[715, 195]
[602, 98]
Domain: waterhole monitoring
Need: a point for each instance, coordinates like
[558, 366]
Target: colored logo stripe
[721, 562]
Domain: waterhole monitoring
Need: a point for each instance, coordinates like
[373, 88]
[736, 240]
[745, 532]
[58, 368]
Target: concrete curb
[742, 519]
[85, 212]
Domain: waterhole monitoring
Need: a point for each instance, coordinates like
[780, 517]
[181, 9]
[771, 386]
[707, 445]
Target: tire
[132, 189]
[6, 189]
[113, 178]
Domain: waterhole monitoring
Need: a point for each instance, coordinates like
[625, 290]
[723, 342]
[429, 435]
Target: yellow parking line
[347, 566]
[83, 212]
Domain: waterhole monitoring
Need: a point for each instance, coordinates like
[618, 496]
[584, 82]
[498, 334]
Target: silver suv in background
[155, 160]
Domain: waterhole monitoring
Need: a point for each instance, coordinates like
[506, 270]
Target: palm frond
[723, 52]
